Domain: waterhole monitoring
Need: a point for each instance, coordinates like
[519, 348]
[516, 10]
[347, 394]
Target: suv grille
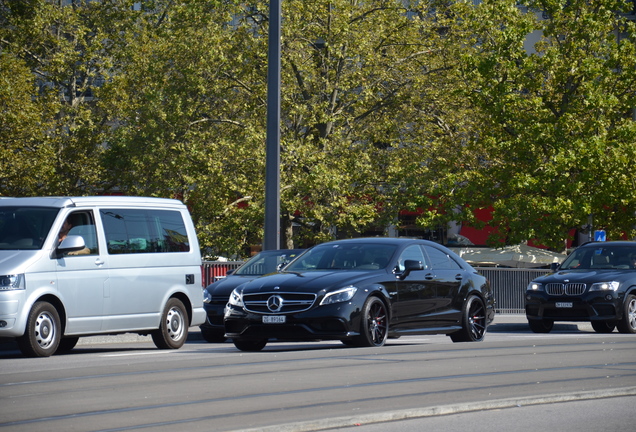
[278, 302]
[571, 289]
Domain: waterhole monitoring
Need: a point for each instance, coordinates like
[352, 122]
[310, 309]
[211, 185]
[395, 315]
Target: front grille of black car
[291, 302]
[571, 289]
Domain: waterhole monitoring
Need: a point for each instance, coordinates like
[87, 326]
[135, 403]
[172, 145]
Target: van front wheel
[43, 331]
[173, 329]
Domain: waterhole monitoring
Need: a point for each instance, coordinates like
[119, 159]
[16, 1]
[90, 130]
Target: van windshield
[25, 228]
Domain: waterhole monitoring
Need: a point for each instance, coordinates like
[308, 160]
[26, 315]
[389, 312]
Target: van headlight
[12, 282]
[339, 296]
[236, 298]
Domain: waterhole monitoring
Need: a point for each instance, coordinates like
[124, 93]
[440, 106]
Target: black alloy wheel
[250, 345]
[374, 326]
[67, 344]
[473, 321]
[541, 326]
[213, 336]
[603, 326]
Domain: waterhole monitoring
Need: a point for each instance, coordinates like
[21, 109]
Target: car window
[413, 252]
[82, 223]
[602, 257]
[440, 260]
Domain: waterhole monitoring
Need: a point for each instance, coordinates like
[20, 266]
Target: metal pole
[271, 238]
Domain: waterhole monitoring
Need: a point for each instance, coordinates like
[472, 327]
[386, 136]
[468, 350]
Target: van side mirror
[409, 266]
[71, 243]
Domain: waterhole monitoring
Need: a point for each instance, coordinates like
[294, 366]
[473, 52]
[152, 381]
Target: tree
[556, 137]
[66, 50]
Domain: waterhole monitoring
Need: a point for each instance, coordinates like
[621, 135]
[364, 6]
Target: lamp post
[271, 238]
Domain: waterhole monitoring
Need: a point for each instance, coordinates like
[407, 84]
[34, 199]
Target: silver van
[78, 266]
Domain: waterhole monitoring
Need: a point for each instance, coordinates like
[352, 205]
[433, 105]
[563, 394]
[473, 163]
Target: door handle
[458, 276]
[99, 262]
[429, 276]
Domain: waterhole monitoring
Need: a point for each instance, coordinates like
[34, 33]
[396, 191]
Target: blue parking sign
[600, 235]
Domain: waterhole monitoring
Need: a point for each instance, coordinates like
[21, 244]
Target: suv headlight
[535, 286]
[236, 298]
[339, 296]
[605, 286]
[12, 282]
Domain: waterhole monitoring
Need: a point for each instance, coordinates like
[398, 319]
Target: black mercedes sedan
[361, 291]
[595, 283]
[216, 295]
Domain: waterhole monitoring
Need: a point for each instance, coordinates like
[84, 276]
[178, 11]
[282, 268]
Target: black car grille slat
[291, 302]
[571, 289]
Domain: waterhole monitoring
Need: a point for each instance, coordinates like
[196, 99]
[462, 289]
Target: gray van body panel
[101, 293]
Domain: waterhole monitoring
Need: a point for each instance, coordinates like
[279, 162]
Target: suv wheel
[541, 326]
[627, 324]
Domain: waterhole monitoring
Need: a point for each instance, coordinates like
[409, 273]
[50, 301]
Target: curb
[410, 414]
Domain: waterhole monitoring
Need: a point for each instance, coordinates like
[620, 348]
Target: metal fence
[509, 284]
[211, 271]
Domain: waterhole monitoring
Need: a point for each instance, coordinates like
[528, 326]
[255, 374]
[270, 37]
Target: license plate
[564, 305]
[274, 319]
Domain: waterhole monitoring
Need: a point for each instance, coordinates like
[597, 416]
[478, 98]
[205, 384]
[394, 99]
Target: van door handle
[99, 262]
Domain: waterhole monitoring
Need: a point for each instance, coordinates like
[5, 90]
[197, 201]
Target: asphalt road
[513, 379]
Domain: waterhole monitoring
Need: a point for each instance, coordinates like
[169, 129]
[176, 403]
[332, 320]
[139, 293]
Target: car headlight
[207, 297]
[605, 286]
[339, 296]
[535, 286]
[12, 282]
[236, 298]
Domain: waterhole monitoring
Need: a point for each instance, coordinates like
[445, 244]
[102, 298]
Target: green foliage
[387, 105]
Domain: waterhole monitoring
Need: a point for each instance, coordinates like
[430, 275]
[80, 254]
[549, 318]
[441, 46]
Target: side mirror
[70, 244]
[554, 266]
[409, 266]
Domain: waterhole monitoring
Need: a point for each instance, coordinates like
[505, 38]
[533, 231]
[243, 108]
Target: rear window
[144, 231]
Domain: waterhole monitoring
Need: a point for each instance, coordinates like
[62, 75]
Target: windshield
[602, 257]
[25, 228]
[264, 263]
[343, 256]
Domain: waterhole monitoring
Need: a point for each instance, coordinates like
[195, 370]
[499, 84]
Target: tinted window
[603, 256]
[440, 260]
[359, 256]
[413, 252]
[144, 231]
[25, 227]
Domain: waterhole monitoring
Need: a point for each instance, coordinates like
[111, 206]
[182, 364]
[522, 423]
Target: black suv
[596, 283]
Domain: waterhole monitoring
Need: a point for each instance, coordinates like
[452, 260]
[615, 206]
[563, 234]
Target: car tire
[43, 331]
[374, 325]
[250, 345]
[67, 344]
[541, 325]
[474, 321]
[173, 328]
[603, 326]
[213, 336]
[627, 324]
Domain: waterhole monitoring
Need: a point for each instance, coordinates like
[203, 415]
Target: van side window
[81, 223]
[144, 231]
